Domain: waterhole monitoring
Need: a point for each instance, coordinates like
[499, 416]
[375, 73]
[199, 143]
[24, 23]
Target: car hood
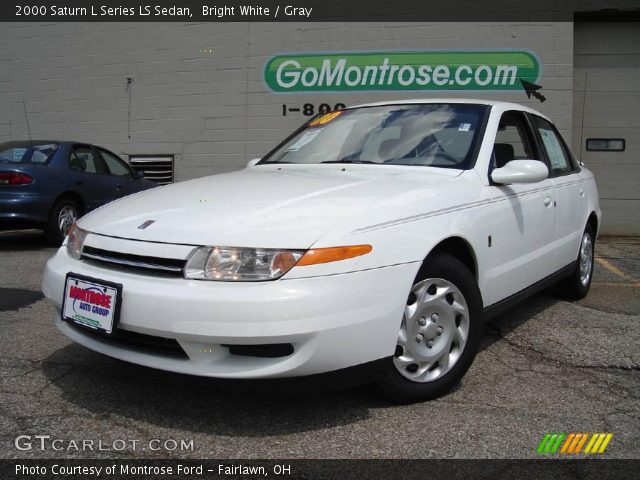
[267, 206]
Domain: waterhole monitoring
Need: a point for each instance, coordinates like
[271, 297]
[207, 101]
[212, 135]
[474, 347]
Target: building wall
[197, 90]
[607, 105]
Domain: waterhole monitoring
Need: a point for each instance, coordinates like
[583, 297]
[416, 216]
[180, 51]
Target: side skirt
[499, 307]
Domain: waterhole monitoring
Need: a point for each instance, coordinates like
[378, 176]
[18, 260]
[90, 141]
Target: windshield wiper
[346, 160]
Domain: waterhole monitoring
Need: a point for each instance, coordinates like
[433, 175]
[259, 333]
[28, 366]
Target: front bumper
[333, 322]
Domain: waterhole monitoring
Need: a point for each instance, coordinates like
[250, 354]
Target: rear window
[38, 153]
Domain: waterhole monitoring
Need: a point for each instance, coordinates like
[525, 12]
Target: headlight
[240, 264]
[75, 241]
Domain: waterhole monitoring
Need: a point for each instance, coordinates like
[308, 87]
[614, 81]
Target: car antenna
[26, 115]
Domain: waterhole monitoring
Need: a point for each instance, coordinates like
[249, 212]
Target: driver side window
[513, 140]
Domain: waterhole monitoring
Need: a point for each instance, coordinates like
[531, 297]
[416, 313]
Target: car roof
[473, 101]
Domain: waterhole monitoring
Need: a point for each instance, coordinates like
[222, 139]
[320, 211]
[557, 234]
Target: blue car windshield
[35, 153]
[441, 135]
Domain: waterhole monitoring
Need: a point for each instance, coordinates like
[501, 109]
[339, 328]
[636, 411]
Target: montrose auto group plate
[91, 303]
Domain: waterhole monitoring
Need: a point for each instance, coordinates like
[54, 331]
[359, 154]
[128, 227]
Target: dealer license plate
[91, 303]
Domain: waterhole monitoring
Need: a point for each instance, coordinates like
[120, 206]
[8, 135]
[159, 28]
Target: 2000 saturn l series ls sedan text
[380, 234]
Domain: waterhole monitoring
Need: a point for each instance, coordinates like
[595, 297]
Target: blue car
[49, 184]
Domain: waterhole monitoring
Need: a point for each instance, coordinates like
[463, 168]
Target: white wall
[213, 110]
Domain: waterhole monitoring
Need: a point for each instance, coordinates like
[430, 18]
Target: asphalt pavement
[546, 365]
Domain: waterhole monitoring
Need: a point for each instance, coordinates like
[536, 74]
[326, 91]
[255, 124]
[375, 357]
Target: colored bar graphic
[581, 442]
[543, 443]
[550, 443]
[605, 443]
[573, 443]
[591, 443]
[567, 442]
[556, 445]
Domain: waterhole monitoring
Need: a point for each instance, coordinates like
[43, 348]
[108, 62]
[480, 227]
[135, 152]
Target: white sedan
[378, 236]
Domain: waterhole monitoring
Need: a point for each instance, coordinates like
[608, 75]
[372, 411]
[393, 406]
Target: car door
[87, 171]
[523, 215]
[570, 191]
[122, 176]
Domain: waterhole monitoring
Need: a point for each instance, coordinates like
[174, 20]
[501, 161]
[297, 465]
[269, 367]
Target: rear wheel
[63, 214]
[439, 335]
[577, 285]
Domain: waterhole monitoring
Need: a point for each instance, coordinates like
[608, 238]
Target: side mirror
[251, 163]
[520, 171]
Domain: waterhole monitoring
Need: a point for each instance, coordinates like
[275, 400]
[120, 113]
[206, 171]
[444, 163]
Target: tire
[577, 285]
[440, 333]
[63, 214]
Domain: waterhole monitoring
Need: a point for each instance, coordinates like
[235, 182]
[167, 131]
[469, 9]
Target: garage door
[606, 119]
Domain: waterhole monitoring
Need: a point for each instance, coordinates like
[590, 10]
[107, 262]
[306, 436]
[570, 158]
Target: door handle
[118, 187]
[548, 201]
[78, 182]
[582, 192]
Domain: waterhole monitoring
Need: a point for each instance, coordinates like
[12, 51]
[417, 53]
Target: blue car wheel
[63, 214]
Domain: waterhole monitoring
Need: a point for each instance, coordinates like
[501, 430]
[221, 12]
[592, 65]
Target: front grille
[139, 263]
[166, 347]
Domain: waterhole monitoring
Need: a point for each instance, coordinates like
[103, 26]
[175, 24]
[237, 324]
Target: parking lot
[545, 366]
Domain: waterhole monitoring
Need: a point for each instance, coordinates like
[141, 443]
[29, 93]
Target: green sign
[427, 70]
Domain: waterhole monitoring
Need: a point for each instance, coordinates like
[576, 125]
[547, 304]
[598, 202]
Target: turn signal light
[316, 256]
[15, 178]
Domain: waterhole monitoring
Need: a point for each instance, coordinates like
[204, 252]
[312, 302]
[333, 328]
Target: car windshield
[38, 153]
[435, 135]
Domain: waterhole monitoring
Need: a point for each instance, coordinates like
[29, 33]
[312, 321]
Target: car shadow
[254, 408]
[23, 240]
[498, 327]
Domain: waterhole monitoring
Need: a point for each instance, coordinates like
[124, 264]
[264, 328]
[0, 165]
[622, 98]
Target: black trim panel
[272, 350]
[505, 304]
[137, 342]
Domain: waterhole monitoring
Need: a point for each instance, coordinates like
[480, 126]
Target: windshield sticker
[554, 150]
[324, 119]
[464, 127]
[18, 153]
[304, 139]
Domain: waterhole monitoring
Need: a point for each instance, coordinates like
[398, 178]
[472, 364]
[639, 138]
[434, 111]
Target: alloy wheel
[66, 217]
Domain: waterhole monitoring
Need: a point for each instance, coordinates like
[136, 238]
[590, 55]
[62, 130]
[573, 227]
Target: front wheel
[439, 335]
